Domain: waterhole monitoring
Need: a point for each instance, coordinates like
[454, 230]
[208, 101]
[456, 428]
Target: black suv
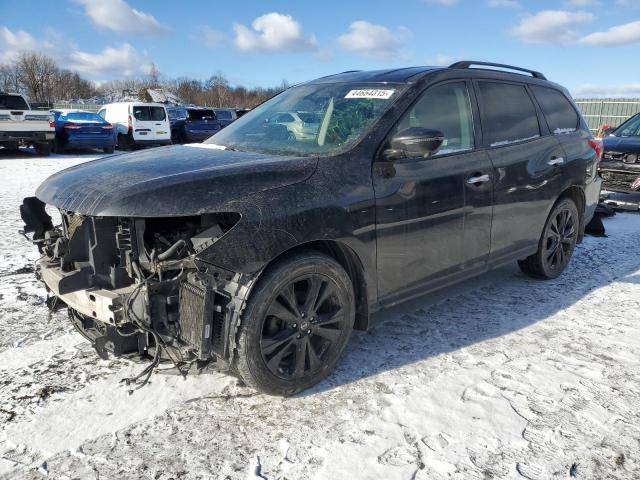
[263, 252]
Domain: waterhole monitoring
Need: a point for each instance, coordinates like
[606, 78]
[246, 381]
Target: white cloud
[551, 26]
[111, 61]
[12, 43]
[503, 4]
[374, 40]
[618, 35]
[117, 15]
[275, 32]
[210, 36]
[592, 90]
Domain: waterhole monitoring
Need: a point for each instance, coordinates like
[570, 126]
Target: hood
[169, 181]
[621, 144]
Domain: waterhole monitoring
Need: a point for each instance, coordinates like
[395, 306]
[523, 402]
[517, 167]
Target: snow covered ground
[500, 377]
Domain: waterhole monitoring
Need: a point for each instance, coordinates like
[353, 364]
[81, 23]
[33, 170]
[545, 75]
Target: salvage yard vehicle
[263, 254]
[80, 129]
[226, 116]
[19, 125]
[192, 124]
[138, 124]
[620, 166]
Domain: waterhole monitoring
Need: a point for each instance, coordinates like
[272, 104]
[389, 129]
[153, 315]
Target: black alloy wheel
[561, 238]
[303, 323]
[557, 243]
[296, 325]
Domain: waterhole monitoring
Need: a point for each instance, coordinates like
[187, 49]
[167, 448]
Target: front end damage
[136, 286]
[620, 172]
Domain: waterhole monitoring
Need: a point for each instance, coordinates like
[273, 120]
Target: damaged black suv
[263, 248]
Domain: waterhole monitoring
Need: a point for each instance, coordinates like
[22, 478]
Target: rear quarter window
[508, 113]
[560, 114]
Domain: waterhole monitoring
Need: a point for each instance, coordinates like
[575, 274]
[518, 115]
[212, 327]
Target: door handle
[478, 179]
[555, 161]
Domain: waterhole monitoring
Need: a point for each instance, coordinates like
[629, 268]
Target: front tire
[556, 244]
[296, 325]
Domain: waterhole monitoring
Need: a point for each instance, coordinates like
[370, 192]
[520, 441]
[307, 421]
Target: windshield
[336, 116]
[630, 128]
[81, 117]
[13, 102]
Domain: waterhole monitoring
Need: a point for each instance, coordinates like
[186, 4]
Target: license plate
[142, 133]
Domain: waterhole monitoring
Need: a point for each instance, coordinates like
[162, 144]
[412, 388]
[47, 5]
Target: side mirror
[414, 142]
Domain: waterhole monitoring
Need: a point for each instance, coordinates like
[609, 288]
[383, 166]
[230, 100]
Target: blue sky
[590, 46]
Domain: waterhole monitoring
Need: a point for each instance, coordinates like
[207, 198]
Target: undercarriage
[135, 286]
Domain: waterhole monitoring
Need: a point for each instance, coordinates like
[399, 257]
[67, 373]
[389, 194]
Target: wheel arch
[577, 195]
[349, 260]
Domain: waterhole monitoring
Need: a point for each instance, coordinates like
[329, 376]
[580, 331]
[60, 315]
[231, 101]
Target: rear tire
[556, 244]
[296, 325]
[108, 150]
[11, 146]
[124, 143]
[43, 148]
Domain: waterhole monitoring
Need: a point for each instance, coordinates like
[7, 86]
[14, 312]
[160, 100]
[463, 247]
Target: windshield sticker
[370, 93]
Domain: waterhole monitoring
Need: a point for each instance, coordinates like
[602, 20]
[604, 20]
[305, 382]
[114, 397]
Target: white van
[138, 123]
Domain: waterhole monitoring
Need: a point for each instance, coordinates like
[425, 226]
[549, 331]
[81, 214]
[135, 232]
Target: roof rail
[468, 63]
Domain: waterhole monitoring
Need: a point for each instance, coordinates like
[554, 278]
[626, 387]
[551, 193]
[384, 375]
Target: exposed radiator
[196, 318]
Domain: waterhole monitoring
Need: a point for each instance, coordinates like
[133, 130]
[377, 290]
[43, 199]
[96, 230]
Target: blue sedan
[79, 129]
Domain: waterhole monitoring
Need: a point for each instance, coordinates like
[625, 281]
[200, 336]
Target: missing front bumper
[107, 306]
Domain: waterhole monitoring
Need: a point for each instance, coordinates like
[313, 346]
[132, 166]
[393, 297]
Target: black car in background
[262, 251]
[192, 124]
[620, 166]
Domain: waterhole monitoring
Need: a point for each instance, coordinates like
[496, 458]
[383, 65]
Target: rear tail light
[130, 122]
[71, 126]
[52, 121]
[108, 126]
[597, 146]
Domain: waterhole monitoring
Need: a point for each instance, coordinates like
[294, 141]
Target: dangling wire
[158, 340]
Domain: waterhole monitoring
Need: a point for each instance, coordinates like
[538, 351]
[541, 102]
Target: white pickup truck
[19, 125]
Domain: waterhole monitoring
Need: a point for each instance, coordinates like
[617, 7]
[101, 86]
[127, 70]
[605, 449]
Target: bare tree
[9, 81]
[37, 73]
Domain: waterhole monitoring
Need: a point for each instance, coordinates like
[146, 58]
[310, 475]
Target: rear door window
[158, 113]
[508, 113]
[142, 113]
[560, 114]
[147, 114]
[13, 102]
[195, 114]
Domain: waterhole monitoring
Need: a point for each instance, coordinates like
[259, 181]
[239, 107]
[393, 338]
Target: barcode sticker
[370, 93]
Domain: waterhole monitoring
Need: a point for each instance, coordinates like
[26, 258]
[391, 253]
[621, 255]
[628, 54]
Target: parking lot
[499, 376]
